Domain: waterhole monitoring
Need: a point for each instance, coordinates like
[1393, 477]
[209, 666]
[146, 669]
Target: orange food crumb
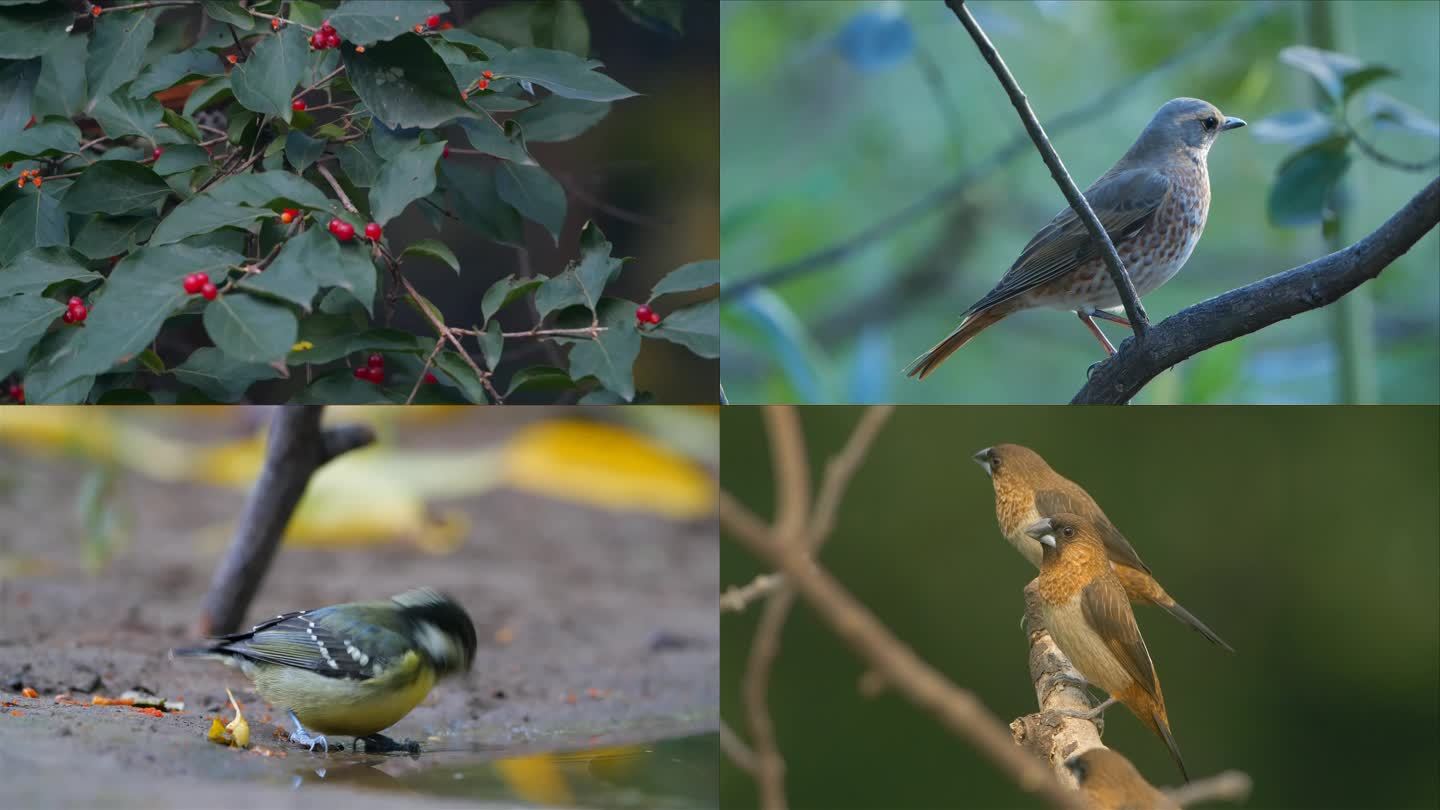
[151, 712]
[30, 693]
[505, 635]
[15, 712]
[101, 700]
[570, 698]
[596, 694]
[359, 48]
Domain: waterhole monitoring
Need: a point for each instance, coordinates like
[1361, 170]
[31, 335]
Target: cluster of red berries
[482, 84]
[200, 283]
[75, 311]
[289, 215]
[298, 105]
[325, 37]
[373, 370]
[17, 393]
[33, 175]
[342, 230]
[644, 314]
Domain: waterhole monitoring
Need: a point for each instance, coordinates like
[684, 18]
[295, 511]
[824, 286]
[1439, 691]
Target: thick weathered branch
[1128, 296]
[1255, 306]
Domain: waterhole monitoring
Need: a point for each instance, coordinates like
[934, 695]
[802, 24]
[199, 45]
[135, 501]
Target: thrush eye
[1211, 123]
[1069, 531]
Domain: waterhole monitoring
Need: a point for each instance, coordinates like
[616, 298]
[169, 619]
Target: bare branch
[736, 749]
[1048, 735]
[1133, 310]
[791, 469]
[1226, 786]
[1255, 306]
[736, 599]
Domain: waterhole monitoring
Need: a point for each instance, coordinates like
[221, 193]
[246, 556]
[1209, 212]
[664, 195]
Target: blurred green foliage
[1306, 537]
[817, 145]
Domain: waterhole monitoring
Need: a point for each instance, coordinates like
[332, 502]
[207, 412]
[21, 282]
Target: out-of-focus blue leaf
[1295, 127]
[1388, 112]
[876, 39]
[787, 342]
[872, 369]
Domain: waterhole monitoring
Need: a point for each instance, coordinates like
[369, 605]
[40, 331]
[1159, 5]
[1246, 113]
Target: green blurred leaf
[249, 329]
[302, 150]
[174, 68]
[610, 358]
[492, 342]
[359, 162]
[117, 49]
[696, 327]
[17, 91]
[1295, 127]
[503, 141]
[366, 22]
[665, 14]
[219, 376]
[405, 83]
[30, 30]
[34, 270]
[102, 237]
[557, 118]
[404, 179]
[265, 189]
[211, 91]
[1338, 74]
[1213, 375]
[265, 83]
[539, 378]
[120, 115]
[538, 196]
[62, 89]
[561, 24]
[35, 220]
[687, 277]
[583, 282]
[464, 377]
[787, 342]
[115, 187]
[228, 11]
[1301, 192]
[1390, 113]
[561, 73]
[203, 213]
[504, 291]
[434, 249]
[181, 157]
[24, 319]
[48, 138]
[479, 205]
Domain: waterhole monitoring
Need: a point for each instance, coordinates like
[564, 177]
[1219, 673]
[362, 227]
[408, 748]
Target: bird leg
[1109, 316]
[1092, 713]
[1095, 330]
[379, 743]
[304, 738]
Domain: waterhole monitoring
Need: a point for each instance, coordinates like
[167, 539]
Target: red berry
[232, 59]
[17, 393]
[375, 360]
[430, 378]
[344, 231]
[377, 375]
[446, 26]
[327, 28]
[444, 153]
[317, 40]
[484, 83]
[433, 21]
[332, 225]
[274, 25]
[78, 313]
[287, 217]
[298, 105]
[654, 318]
[157, 153]
[209, 291]
[643, 313]
[372, 232]
[332, 40]
[75, 299]
[361, 373]
[69, 316]
[193, 283]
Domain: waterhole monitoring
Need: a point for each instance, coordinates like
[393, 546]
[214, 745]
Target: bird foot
[1090, 714]
[300, 735]
[379, 743]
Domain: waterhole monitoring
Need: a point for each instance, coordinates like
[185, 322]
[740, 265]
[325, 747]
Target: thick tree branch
[1046, 734]
[1128, 296]
[1255, 306]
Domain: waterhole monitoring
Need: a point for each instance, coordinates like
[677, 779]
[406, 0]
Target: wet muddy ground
[596, 629]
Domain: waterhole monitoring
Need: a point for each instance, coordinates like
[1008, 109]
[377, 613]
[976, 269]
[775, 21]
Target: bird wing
[310, 639]
[1107, 609]
[1124, 202]
[1051, 502]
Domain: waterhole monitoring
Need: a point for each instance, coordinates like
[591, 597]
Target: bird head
[1059, 531]
[1187, 124]
[443, 631]
[1004, 460]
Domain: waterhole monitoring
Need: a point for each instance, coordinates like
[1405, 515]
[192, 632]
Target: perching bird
[1152, 203]
[1026, 489]
[1084, 607]
[352, 669]
[1110, 782]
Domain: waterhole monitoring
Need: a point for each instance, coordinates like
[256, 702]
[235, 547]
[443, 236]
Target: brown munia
[1027, 489]
[1152, 203]
[1110, 782]
[1087, 612]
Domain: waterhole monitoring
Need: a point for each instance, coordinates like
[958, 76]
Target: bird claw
[300, 735]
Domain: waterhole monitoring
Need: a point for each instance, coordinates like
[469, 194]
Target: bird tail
[1161, 726]
[974, 324]
[197, 652]
[1187, 618]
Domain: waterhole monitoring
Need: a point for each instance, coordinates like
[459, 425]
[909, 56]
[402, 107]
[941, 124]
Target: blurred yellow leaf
[536, 779]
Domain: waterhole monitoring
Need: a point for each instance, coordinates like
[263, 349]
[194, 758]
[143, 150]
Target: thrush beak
[1232, 123]
[983, 459]
[1043, 531]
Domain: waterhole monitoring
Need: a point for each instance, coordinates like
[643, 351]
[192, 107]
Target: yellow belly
[354, 708]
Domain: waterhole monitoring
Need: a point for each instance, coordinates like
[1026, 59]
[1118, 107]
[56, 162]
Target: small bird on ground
[1085, 609]
[1110, 782]
[1152, 203]
[353, 669]
[1027, 489]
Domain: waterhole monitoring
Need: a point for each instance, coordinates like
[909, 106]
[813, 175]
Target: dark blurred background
[1306, 537]
[838, 115]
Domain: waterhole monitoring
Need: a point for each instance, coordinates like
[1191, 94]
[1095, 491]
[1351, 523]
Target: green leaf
[38, 268]
[174, 68]
[404, 179]
[35, 220]
[539, 378]
[405, 83]
[203, 214]
[181, 157]
[1301, 192]
[504, 291]
[661, 14]
[142, 291]
[359, 162]
[17, 92]
[478, 47]
[583, 282]
[1388, 112]
[464, 377]
[1338, 74]
[62, 89]
[228, 11]
[692, 276]
[115, 187]
[610, 358]
[340, 387]
[697, 328]
[249, 329]
[150, 360]
[265, 83]
[23, 321]
[557, 118]
[479, 205]
[313, 260]
[490, 137]
[48, 138]
[562, 73]
[182, 126]
[434, 249]
[492, 341]
[534, 193]
[117, 49]
[102, 237]
[120, 115]
[302, 150]
[30, 30]
[211, 91]
[266, 189]
[366, 22]
[219, 376]
[560, 24]
[1295, 127]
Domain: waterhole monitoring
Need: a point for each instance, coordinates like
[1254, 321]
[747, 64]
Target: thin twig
[791, 469]
[339, 192]
[1226, 786]
[429, 359]
[1139, 322]
[736, 599]
[841, 468]
[735, 748]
